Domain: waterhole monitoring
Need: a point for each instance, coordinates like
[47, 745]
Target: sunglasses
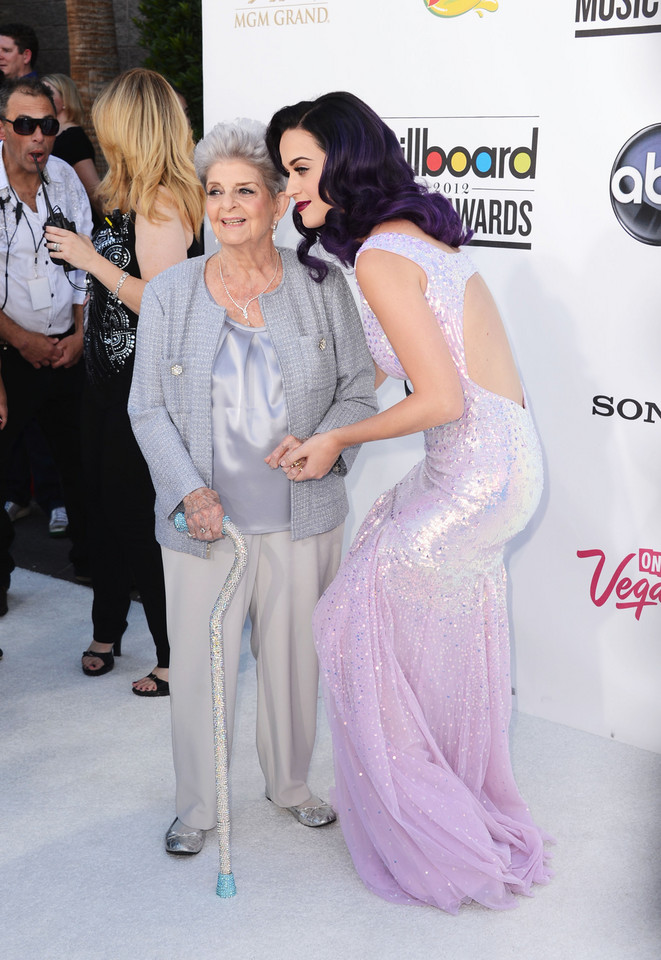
[25, 126]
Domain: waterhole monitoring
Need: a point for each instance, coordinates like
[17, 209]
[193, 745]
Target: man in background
[19, 49]
[41, 311]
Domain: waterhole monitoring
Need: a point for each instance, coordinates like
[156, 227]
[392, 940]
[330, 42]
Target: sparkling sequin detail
[413, 645]
[225, 886]
[111, 328]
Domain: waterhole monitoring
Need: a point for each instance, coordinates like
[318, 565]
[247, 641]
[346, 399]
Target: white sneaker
[16, 511]
[58, 523]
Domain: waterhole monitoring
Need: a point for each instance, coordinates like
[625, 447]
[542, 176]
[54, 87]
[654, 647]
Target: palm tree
[92, 50]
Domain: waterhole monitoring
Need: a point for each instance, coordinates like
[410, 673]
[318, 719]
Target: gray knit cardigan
[327, 373]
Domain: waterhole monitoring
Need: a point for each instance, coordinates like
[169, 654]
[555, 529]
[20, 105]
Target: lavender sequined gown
[413, 645]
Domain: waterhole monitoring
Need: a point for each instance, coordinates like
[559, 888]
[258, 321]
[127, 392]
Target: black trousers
[32, 466]
[120, 516]
[52, 397]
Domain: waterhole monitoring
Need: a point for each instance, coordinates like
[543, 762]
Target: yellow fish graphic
[455, 8]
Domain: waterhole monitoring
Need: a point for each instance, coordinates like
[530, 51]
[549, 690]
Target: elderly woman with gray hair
[237, 355]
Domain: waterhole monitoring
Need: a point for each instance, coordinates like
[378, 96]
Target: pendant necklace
[244, 310]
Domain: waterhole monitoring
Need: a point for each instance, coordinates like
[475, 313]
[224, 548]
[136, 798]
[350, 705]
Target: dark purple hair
[365, 179]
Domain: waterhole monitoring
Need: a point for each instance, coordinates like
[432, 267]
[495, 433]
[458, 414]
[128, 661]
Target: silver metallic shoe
[182, 839]
[313, 813]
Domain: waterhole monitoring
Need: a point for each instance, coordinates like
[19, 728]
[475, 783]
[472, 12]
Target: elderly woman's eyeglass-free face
[239, 206]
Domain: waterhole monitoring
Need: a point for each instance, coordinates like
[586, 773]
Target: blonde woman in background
[154, 207]
[72, 143]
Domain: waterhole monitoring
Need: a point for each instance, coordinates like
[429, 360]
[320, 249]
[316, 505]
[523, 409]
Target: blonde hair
[147, 142]
[68, 90]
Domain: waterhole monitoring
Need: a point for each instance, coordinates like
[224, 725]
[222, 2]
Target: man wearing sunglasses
[41, 311]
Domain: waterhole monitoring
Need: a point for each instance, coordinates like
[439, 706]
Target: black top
[111, 326]
[73, 145]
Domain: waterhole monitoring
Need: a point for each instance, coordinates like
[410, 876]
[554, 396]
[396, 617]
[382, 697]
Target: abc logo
[636, 185]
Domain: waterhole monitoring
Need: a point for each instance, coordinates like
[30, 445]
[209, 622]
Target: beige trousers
[282, 582]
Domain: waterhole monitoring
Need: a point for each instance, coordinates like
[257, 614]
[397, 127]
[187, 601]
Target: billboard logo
[628, 595]
[493, 162]
[636, 185]
[455, 8]
[486, 170]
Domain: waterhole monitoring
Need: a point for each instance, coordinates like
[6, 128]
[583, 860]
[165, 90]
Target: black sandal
[107, 658]
[162, 688]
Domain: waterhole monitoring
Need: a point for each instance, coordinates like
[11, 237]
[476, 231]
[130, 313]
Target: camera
[55, 219]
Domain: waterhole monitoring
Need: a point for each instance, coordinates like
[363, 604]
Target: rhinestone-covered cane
[225, 886]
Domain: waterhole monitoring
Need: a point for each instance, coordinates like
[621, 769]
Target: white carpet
[86, 793]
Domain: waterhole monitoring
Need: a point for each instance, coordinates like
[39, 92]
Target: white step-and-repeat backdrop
[541, 123]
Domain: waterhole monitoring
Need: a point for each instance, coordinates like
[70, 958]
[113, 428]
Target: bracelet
[119, 285]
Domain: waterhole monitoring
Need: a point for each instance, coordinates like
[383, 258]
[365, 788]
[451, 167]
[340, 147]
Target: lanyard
[20, 210]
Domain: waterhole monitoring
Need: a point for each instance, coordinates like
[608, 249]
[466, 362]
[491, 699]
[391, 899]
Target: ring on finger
[203, 529]
[55, 246]
[297, 463]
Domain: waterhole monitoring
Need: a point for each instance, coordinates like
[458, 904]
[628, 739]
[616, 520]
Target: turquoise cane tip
[226, 886]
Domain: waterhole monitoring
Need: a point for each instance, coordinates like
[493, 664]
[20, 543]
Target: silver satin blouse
[249, 419]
